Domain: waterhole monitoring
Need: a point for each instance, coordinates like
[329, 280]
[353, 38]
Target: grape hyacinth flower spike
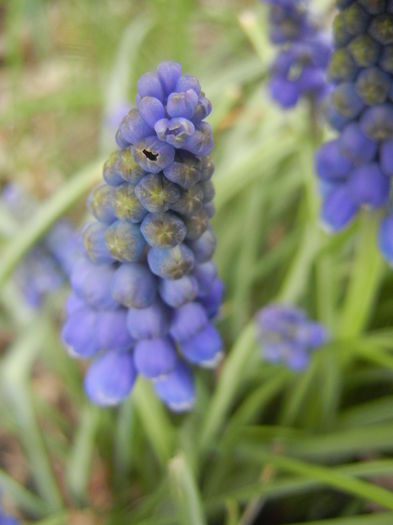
[355, 168]
[299, 69]
[145, 292]
[286, 335]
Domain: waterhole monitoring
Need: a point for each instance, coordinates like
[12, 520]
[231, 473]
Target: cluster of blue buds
[355, 168]
[46, 267]
[299, 69]
[146, 290]
[286, 335]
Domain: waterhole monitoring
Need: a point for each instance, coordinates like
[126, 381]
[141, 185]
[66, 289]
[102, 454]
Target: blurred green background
[262, 441]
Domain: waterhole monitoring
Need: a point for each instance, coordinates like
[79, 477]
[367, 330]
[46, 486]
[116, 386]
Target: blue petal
[188, 320]
[171, 263]
[177, 389]
[149, 323]
[79, 333]
[112, 331]
[155, 358]
[179, 292]
[151, 110]
[169, 74]
[134, 286]
[338, 209]
[93, 283]
[110, 378]
[205, 348]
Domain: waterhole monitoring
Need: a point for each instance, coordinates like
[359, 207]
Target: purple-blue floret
[145, 291]
[287, 335]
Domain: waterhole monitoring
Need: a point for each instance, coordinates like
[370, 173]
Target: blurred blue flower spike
[46, 267]
[299, 70]
[286, 335]
[354, 169]
[145, 291]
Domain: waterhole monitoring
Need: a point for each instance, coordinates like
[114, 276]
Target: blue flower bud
[133, 128]
[330, 163]
[213, 299]
[156, 194]
[356, 146]
[185, 171]
[377, 122]
[120, 167]
[100, 203]
[202, 109]
[155, 358]
[205, 274]
[373, 85]
[124, 241]
[171, 263]
[177, 389]
[338, 209]
[311, 334]
[153, 155]
[80, 333]
[386, 60]
[369, 186]
[342, 67]
[364, 50]
[203, 248]
[169, 73]
[112, 331]
[187, 82]
[334, 118]
[298, 359]
[74, 303]
[341, 35]
[148, 323]
[174, 131]
[126, 204]
[386, 157]
[205, 348]
[110, 378]
[134, 286]
[201, 141]
[346, 101]
[182, 104]
[385, 238]
[188, 320]
[381, 28]
[355, 19]
[208, 191]
[190, 201]
[94, 243]
[149, 85]
[165, 230]
[374, 7]
[93, 283]
[151, 110]
[179, 292]
[207, 168]
[210, 209]
[196, 224]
